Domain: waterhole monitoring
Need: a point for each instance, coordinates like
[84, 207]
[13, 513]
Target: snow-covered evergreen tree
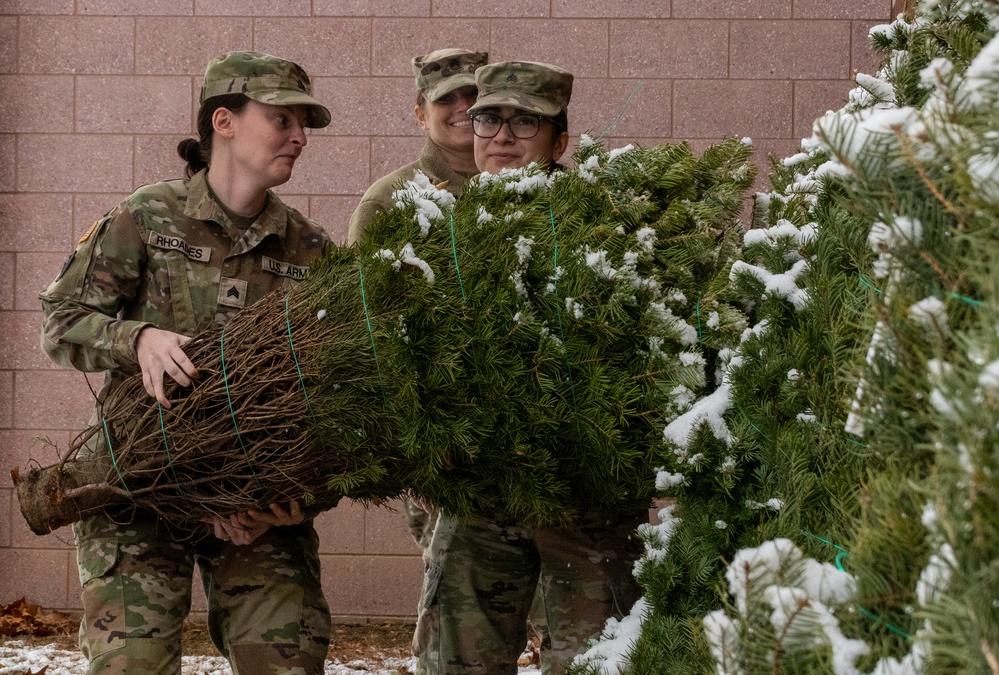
[532, 336]
[932, 189]
[833, 493]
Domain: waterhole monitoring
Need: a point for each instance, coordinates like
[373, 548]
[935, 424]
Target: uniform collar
[200, 206]
[432, 159]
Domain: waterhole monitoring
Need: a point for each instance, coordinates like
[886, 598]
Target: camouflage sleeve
[326, 239]
[81, 327]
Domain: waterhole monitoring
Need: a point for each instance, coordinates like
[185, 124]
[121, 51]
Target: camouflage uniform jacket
[378, 197]
[168, 256]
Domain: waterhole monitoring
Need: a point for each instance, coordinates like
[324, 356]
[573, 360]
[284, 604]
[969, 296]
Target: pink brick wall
[95, 94]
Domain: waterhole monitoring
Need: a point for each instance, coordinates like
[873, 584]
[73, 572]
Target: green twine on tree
[294, 356]
[824, 541]
[558, 305]
[298, 369]
[700, 337]
[461, 285]
[454, 250]
[114, 462]
[970, 301]
[166, 446]
[558, 309]
[867, 283]
[623, 108]
[843, 553]
[371, 333]
[758, 430]
[551, 219]
[232, 413]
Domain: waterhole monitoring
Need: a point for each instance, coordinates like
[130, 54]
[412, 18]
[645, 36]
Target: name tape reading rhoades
[174, 243]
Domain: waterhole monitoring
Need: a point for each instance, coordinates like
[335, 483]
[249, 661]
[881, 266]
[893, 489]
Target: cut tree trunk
[59, 495]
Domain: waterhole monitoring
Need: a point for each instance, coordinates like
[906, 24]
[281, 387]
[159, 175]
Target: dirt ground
[373, 641]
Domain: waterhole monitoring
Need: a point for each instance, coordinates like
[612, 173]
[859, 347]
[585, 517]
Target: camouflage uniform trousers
[267, 613]
[481, 583]
[421, 526]
[420, 522]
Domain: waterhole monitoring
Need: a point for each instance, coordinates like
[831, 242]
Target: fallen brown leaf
[531, 658]
[23, 618]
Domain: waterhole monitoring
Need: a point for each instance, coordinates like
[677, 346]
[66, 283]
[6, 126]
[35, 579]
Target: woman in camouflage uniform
[483, 575]
[445, 84]
[170, 260]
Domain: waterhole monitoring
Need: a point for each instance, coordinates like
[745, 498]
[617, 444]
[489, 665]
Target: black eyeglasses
[523, 125]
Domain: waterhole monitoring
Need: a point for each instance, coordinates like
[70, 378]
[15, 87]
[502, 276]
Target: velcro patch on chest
[284, 269]
[172, 242]
[232, 293]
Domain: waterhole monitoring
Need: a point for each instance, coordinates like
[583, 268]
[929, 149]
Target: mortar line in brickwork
[794, 121]
[672, 107]
[728, 49]
[135, 42]
[371, 159]
[607, 68]
[852, 67]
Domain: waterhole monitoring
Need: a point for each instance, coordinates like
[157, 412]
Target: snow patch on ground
[15, 657]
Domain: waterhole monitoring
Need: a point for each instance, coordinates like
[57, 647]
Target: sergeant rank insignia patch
[232, 293]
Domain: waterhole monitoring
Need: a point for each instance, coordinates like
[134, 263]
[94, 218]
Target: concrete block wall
[95, 95]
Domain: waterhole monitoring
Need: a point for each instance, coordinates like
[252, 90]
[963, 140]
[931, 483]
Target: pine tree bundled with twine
[514, 353]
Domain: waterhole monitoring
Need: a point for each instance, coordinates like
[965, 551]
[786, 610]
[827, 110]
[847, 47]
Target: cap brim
[531, 104]
[449, 84]
[319, 115]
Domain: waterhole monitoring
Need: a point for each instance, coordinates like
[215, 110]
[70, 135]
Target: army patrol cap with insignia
[537, 88]
[266, 79]
[441, 72]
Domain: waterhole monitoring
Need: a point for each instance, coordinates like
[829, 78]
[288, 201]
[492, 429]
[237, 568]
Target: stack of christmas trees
[836, 496]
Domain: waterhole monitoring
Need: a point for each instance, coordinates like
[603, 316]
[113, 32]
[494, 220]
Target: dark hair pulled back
[561, 121]
[198, 152]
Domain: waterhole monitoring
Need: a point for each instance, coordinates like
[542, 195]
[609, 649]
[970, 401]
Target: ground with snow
[20, 658]
[17, 657]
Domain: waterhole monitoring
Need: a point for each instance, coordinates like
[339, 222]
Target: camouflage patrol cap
[263, 78]
[539, 88]
[444, 70]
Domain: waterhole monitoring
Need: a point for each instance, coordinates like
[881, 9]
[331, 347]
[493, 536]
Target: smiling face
[506, 151]
[267, 139]
[447, 123]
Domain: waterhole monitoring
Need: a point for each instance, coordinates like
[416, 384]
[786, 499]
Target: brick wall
[95, 94]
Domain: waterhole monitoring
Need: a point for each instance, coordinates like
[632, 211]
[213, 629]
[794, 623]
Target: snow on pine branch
[427, 200]
[784, 284]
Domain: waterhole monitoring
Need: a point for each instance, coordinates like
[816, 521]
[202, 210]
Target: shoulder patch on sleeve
[90, 231]
[69, 261]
